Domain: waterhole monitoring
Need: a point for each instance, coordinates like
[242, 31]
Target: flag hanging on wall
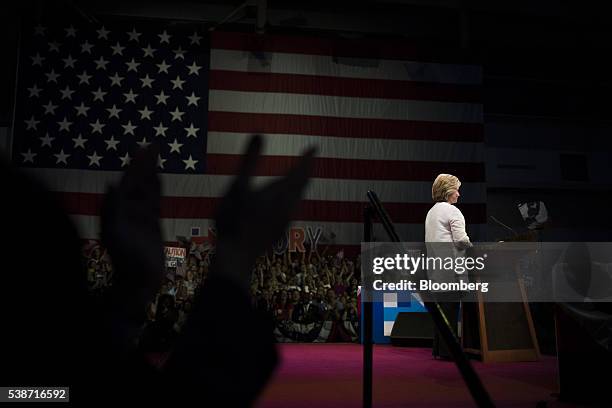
[385, 117]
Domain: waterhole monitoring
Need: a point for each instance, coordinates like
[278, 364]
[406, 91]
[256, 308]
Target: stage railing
[479, 393]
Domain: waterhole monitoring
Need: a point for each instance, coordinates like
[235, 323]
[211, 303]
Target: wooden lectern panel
[500, 331]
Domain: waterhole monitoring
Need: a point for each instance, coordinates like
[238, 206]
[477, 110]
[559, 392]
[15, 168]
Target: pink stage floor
[329, 375]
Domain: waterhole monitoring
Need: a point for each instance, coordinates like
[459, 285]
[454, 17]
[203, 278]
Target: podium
[500, 331]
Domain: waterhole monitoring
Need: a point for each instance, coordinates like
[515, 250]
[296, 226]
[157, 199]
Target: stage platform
[329, 375]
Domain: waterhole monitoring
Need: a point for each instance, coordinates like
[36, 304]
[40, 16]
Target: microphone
[503, 225]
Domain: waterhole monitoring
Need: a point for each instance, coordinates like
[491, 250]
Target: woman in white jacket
[445, 224]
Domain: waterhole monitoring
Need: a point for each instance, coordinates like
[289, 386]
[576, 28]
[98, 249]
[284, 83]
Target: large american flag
[384, 119]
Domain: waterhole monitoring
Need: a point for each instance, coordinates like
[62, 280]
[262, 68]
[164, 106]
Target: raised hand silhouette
[227, 347]
[225, 353]
[249, 221]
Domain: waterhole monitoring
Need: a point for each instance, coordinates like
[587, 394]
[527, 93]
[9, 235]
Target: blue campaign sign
[385, 312]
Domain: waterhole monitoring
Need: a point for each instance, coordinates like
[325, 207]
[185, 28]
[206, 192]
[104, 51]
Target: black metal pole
[366, 309]
[469, 375]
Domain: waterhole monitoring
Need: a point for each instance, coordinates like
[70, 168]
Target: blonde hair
[443, 186]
